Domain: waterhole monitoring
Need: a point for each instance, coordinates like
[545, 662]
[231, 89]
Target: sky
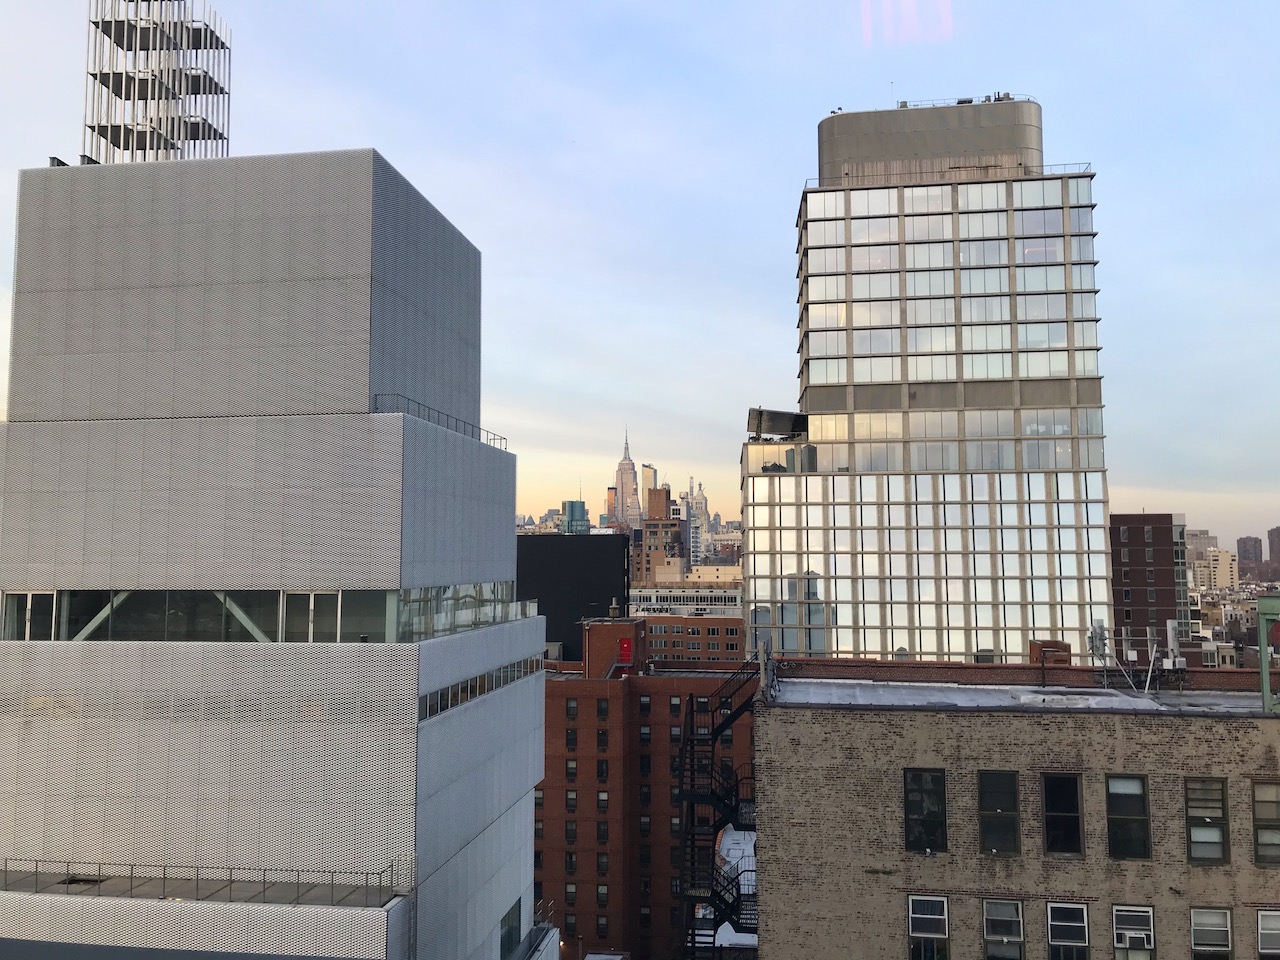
[631, 173]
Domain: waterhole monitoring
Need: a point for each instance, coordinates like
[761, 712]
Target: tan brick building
[947, 822]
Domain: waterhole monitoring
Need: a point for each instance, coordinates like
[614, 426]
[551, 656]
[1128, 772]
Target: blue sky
[631, 172]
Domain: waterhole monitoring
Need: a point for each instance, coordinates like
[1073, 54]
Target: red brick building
[607, 826]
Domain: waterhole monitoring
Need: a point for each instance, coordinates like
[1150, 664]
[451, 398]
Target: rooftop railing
[395, 403]
[331, 888]
[950, 175]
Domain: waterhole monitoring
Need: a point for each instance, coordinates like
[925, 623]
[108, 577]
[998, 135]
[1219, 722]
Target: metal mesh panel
[256, 756]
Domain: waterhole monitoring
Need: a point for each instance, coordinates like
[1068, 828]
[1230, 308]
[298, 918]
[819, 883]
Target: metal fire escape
[715, 796]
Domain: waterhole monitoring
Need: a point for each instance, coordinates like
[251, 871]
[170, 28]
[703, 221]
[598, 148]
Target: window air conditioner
[1135, 941]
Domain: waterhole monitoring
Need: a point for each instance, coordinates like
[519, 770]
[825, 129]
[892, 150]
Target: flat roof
[879, 694]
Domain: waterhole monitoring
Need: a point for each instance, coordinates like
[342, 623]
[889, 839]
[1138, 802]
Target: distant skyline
[631, 172]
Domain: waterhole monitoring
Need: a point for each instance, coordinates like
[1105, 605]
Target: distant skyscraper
[1273, 544]
[1199, 543]
[648, 480]
[627, 508]
[1249, 549]
[573, 517]
[942, 493]
[158, 85]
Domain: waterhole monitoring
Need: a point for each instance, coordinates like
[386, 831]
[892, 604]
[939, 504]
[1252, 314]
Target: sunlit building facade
[942, 491]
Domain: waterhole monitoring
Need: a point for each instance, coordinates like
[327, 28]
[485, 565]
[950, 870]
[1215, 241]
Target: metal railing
[223, 884]
[396, 403]
[952, 175]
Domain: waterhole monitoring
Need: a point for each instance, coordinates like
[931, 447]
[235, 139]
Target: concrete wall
[44, 926]
[261, 756]
[477, 767]
[424, 320]
[833, 872]
[930, 140]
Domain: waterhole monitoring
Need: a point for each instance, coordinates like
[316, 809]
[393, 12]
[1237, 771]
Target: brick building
[659, 551]
[695, 639]
[974, 819]
[608, 840]
[1149, 578]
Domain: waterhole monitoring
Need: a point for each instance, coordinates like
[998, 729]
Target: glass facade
[949, 498]
[259, 616]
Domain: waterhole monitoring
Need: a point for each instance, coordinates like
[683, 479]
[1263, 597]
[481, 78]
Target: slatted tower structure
[158, 84]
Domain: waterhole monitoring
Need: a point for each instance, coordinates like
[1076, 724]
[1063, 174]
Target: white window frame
[1134, 911]
[911, 916]
[1269, 940]
[1225, 951]
[1058, 941]
[986, 920]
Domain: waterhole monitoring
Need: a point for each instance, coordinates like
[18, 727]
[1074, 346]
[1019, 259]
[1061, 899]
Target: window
[537, 859]
[1269, 935]
[602, 831]
[571, 770]
[646, 765]
[602, 863]
[1146, 534]
[537, 829]
[537, 798]
[1062, 833]
[1133, 930]
[570, 862]
[645, 735]
[571, 831]
[645, 917]
[1002, 929]
[675, 826]
[602, 926]
[602, 739]
[571, 801]
[675, 706]
[927, 927]
[645, 705]
[675, 733]
[646, 825]
[602, 709]
[675, 794]
[1266, 822]
[602, 894]
[571, 708]
[1128, 824]
[571, 738]
[646, 794]
[998, 811]
[925, 806]
[1210, 934]
[1068, 931]
[726, 738]
[645, 855]
[646, 886]
[509, 935]
[602, 801]
[1207, 836]
[571, 924]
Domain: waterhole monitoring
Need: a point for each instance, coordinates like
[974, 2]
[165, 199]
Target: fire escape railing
[714, 797]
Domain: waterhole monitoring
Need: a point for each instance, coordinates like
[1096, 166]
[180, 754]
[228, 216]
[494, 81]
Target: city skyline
[588, 235]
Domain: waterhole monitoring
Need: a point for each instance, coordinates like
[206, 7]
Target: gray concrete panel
[424, 323]
[223, 287]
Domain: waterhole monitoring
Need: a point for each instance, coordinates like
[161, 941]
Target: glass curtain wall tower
[942, 492]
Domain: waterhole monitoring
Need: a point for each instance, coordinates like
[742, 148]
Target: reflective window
[873, 203]
[987, 337]
[828, 371]
[1039, 250]
[883, 314]
[926, 199]
[980, 196]
[825, 233]
[826, 315]
[1081, 221]
[989, 455]
[824, 260]
[874, 258]
[1062, 826]
[984, 309]
[876, 369]
[1128, 821]
[1082, 276]
[932, 339]
[984, 253]
[1208, 839]
[825, 206]
[1037, 193]
[1266, 822]
[877, 426]
[993, 280]
[1043, 306]
[1041, 336]
[926, 256]
[988, 366]
[931, 311]
[935, 283]
[1086, 333]
[1084, 305]
[978, 225]
[1080, 190]
[925, 807]
[1090, 420]
[988, 423]
[1210, 934]
[828, 344]
[1082, 249]
[927, 228]
[874, 231]
[870, 286]
[931, 368]
[1053, 422]
[875, 342]
[826, 288]
[1087, 363]
[1027, 223]
[1034, 279]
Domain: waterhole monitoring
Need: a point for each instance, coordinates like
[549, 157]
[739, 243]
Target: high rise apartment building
[266, 690]
[942, 492]
[1249, 549]
[1273, 544]
[1198, 544]
[1150, 583]
[1219, 570]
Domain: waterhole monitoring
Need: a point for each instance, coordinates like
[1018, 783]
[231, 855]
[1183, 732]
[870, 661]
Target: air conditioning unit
[1135, 941]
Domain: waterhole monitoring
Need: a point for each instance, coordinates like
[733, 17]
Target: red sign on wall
[624, 652]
